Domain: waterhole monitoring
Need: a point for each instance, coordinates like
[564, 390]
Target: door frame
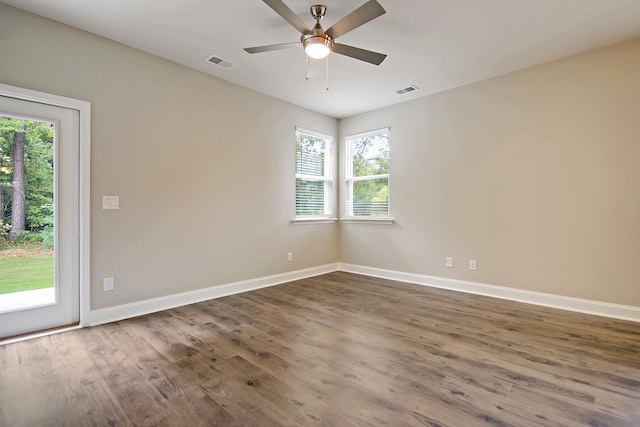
[84, 109]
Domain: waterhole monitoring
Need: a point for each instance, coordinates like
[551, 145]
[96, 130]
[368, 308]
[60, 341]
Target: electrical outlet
[108, 284]
[472, 264]
[448, 262]
[290, 256]
[110, 202]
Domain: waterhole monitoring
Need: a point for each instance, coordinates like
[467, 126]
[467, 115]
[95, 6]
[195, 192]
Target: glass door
[39, 217]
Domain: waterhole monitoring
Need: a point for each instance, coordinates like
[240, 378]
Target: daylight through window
[367, 174]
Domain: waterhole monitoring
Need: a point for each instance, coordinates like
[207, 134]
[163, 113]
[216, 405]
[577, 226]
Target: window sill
[356, 220]
[313, 220]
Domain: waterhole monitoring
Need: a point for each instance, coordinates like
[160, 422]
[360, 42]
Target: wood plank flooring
[334, 350]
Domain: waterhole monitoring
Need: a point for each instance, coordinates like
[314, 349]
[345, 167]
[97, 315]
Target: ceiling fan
[319, 43]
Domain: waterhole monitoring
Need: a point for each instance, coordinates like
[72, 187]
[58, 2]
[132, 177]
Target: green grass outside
[24, 274]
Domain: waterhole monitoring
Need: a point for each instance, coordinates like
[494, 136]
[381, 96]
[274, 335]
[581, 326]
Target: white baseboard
[139, 308]
[597, 308]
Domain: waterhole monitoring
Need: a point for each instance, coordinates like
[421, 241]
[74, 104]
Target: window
[314, 176]
[367, 175]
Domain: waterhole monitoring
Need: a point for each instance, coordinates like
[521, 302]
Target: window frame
[348, 215]
[328, 179]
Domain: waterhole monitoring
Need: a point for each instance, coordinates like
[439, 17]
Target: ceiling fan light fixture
[316, 48]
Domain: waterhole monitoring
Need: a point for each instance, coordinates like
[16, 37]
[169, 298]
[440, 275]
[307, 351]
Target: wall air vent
[220, 62]
[407, 90]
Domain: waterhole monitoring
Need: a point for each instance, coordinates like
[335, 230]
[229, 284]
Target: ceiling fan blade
[287, 14]
[374, 58]
[269, 48]
[365, 13]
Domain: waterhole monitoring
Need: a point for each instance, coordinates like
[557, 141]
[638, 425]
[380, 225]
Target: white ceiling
[433, 44]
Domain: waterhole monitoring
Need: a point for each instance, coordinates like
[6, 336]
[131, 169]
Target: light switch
[110, 202]
[108, 284]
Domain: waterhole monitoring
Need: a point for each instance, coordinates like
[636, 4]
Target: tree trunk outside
[17, 202]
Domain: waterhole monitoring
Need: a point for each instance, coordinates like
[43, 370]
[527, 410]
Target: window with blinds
[367, 174]
[314, 177]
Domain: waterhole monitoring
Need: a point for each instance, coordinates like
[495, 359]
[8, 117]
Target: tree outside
[26, 204]
[370, 156]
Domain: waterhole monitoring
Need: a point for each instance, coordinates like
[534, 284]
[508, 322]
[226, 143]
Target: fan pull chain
[327, 88]
[306, 73]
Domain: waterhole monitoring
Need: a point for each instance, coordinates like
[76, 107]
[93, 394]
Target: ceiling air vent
[220, 62]
[407, 90]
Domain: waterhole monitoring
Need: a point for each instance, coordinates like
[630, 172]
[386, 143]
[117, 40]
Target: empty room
[287, 213]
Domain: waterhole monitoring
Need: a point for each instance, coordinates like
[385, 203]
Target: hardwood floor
[335, 350]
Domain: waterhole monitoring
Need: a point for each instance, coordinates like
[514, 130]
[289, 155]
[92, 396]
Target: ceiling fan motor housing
[317, 36]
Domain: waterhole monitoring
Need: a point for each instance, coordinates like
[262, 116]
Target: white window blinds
[314, 178]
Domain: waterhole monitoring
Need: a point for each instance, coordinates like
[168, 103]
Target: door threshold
[39, 334]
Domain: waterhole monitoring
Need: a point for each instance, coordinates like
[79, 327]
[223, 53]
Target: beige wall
[204, 169]
[535, 174]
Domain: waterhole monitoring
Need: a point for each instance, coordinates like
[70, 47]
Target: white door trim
[84, 108]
